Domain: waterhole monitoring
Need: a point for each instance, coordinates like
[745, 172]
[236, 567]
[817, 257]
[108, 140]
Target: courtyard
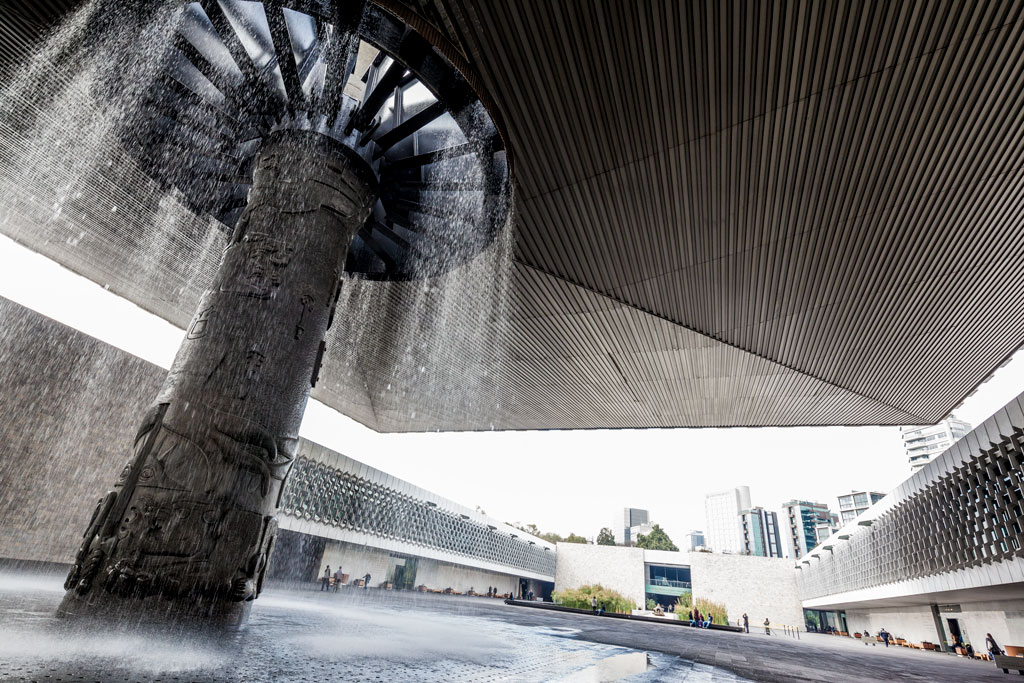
[300, 634]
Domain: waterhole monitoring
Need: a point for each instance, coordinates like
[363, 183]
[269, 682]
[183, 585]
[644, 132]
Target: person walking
[366, 582]
[767, 627]
[992, 646]
[593, 603]
[325, 582]
[885, 636]
[746, 623]
[337, 580]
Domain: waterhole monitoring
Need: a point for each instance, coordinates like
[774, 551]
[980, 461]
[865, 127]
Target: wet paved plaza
[304, 635]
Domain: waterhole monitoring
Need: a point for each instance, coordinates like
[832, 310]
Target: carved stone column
[189, 528]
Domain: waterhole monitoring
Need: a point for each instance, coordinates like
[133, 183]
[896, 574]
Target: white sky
[562, 481]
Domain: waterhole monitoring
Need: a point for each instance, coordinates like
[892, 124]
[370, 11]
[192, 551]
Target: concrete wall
[69, 409]
[614, 567]
[914, 623]
[1003, 619]
[357, 561]
[760, 586]
[441, 575]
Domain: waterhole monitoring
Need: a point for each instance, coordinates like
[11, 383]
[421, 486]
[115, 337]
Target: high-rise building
[805, 524]
[693, 540]
[921, 444]
[722, 519]
[635, 532]
[631, 517]
[825, 529]
[854, 503]
[760, 530]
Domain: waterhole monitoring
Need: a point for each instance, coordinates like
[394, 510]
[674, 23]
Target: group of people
[325, 580]
[883, 634]
[339, 578]
[701, 621]
[990, 642]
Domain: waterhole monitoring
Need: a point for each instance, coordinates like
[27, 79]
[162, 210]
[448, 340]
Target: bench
[1006, 663]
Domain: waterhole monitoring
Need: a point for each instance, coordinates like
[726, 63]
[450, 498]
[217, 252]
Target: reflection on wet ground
[298, 635]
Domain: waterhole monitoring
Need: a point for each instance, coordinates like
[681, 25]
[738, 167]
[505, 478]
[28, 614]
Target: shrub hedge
[705, 606]
[580, 599]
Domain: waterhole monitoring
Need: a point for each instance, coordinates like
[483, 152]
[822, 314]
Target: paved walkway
[814, 657]
[753, 656]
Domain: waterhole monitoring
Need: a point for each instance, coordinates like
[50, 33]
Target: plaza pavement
[755, 656]
[300, 634]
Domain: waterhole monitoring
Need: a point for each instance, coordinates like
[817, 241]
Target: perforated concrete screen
[964, 510]
[326, 495]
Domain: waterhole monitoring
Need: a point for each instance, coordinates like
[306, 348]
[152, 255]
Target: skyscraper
[854, 503]
[921, 444]
[631, 517]
[693, 540]
[805, 524]
[760, 530]
[722, 519]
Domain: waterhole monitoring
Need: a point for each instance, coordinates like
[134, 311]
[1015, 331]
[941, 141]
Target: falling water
[68, 187]
[420, 355]
[428, 353]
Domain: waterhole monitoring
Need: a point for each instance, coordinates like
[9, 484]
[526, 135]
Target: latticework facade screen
[326, 495]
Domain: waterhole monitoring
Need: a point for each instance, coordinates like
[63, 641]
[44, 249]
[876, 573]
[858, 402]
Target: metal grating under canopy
[237, 71]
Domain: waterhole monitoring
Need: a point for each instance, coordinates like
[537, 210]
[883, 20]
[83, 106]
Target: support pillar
[189, 528]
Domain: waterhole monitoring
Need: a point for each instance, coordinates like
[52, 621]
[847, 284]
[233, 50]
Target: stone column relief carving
[189, 528]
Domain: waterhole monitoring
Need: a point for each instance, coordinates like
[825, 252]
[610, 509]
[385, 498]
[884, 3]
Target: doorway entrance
[402, 572]
[957, 634]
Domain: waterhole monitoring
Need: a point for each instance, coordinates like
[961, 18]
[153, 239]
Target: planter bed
[615, 615]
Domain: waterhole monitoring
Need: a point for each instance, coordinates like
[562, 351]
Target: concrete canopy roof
[725, 214]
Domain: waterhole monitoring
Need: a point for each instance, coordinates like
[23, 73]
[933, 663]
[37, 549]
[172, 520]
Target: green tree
[573, 538]
[605, 537]
[532, 529]
[656, 540]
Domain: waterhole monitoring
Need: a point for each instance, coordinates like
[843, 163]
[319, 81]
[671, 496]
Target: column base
[154, 611]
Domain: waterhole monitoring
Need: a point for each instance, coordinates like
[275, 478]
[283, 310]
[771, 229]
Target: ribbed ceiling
[834, 187]
[726, 214]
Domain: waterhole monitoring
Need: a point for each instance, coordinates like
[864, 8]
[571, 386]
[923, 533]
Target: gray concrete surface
[304, 635]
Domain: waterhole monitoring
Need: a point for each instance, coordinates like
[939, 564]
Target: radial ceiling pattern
[726, 214]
